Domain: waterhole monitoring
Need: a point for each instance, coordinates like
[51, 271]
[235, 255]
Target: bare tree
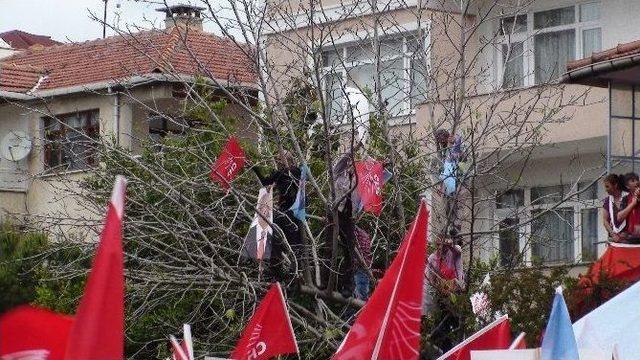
[424, 68]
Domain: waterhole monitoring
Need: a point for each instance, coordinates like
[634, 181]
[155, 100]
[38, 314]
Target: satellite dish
[15, 146]
[359, 105]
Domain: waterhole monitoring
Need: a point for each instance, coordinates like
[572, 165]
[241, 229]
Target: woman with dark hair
[617, 206]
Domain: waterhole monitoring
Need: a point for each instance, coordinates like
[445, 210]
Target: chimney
[184, 16]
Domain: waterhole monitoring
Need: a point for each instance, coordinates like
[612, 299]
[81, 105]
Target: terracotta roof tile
[18, 78]
[119, 57]
[18, 39]
[617, 52]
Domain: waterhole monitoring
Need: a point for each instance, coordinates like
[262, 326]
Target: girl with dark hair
[617, 206]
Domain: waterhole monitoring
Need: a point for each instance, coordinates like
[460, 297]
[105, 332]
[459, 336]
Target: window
[403, 73]
[513, 60]
[510, 199]
[557, 234]
[552, 236]
[509, 244]
[534, 48]
[589, 226]
[70, 140]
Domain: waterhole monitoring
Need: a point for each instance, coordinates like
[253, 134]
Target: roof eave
[587, 75]
[130, 82]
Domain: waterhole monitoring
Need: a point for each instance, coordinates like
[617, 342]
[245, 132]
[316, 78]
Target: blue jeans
[361, 279]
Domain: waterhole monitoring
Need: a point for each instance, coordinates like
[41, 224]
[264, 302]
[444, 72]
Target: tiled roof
[18, 78]
[176, 51]
[617, 52]
[23, 40]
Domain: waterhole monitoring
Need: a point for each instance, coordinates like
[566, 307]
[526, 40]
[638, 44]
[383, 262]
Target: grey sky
[66, 20]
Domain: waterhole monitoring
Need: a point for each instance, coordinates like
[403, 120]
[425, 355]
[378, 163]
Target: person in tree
[343, 172]
[617, 206]
[285, 180]
[444, 277]
[360, 274]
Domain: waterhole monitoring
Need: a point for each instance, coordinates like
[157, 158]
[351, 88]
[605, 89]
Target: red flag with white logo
[98, 330]
[31, 333]
[388, 327]
[228, 164]
[370, 181]
[269, 332]
[495, 336]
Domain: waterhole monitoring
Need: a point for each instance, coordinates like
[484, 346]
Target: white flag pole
[186, 328]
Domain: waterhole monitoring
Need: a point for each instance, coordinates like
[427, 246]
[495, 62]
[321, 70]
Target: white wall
[5, 49]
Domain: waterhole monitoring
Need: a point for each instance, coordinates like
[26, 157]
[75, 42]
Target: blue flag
[299, 205]
[559, 342]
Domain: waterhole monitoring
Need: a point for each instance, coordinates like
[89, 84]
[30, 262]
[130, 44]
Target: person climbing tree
[285, 179]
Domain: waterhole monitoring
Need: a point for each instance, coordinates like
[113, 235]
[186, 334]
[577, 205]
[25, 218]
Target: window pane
[391, 47]
[361, 77]
[591, 41]
[509, 242]
[590, 12]
[554, 17]
[360, 52]
[510, 199]
[330, 58]
[547, 194]
[419, 81]
[513, 24]
[552, 52]
[70, 140]
[552, 236]
[392, 82]
[512, 58]
[334, 95]
[589, 194]
[589, 218]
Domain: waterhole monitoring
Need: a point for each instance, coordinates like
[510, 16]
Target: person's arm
[607, 225]
[622, 215]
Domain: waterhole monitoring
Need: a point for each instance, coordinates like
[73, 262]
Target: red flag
[519, 343]
[269, 332]
[184, 349]
[180, 350]
[28, 332]
[98, 331]
[370, 181]
[495, 336]
[228, 164]
[388, 327]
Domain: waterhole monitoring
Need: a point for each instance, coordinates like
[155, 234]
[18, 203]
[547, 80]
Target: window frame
[528, 38]
[341, 45]
[525, 213]
[55, 137]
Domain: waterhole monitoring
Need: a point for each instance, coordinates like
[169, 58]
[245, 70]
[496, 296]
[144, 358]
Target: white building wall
[5, 49]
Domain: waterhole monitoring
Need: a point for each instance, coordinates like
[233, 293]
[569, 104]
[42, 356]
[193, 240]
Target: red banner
[370, 181]
[228, 164]
[388, 327]
[98, 331]
[495, 336]
[27, 332]
[269, 332]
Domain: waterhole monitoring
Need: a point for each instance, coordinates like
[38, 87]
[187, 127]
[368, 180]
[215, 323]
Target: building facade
[56, 101]
[543, 202]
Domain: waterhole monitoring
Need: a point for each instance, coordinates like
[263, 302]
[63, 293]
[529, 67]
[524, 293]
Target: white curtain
[552, 52]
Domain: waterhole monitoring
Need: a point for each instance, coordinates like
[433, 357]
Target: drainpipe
[116, 114]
